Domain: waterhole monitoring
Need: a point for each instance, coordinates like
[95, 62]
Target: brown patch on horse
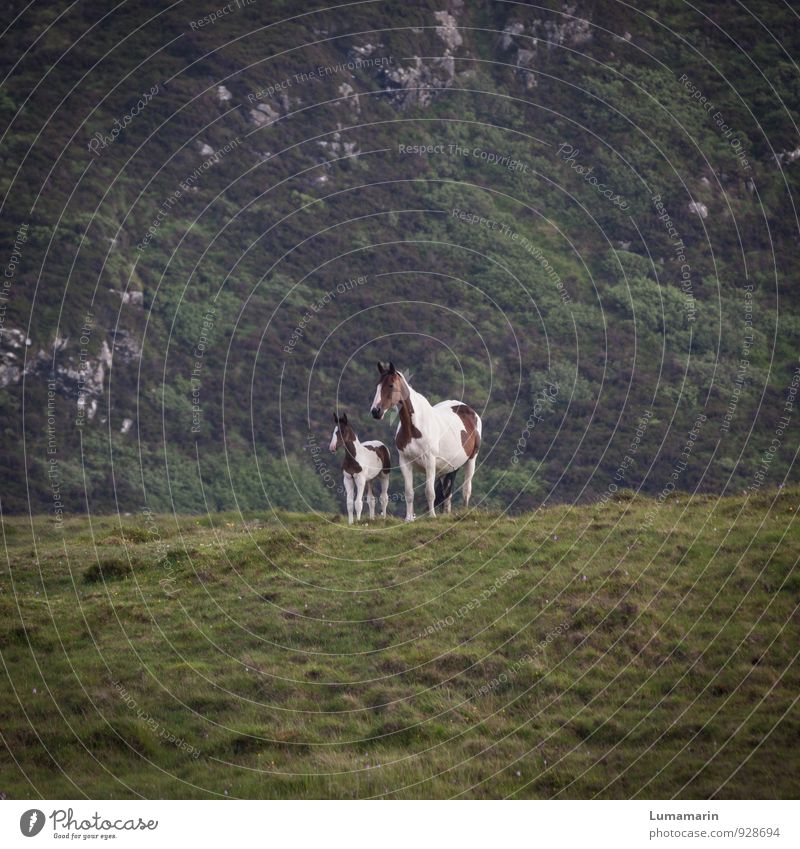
[391, 389]
[470, 438]
[408, 429]
[348, 438]
[394, 391]
[350, 466]
[383, 452]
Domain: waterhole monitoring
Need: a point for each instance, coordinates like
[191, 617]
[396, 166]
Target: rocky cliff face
[270, 155]
[417, 84]
[526, 44]
[66, 362]
[13, 343]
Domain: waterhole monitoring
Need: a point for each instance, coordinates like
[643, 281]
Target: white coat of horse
[434, 439]
[363, 462]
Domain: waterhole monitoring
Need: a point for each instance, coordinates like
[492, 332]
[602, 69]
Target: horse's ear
[382, 368]
[392, 369]
[335, 417]
[343, 419]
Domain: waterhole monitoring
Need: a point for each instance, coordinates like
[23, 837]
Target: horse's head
[341, 433]
[391, 390]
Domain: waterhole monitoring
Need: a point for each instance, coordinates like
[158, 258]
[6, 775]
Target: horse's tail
[386, 460]
[444, 488]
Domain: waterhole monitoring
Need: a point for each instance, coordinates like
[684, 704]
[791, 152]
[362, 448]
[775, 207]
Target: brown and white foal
[363, 462]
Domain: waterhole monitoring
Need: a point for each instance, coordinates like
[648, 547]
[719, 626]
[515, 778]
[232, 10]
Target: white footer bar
[401, 825]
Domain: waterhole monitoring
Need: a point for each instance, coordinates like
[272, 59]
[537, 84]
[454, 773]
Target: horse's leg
[349, 488]
[370, 500]
[408, 479]
[384, 493]
[360, 481]
[469, 471]
[430, 484]
[448, 492]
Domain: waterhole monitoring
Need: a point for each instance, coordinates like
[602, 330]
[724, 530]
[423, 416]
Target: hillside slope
[573, 215]
[642, 649]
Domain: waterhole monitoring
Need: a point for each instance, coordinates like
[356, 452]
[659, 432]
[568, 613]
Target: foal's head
[342, 433]
[391, 390]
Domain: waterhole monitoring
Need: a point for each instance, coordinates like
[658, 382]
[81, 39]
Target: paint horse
[363, 462]
[437, 440]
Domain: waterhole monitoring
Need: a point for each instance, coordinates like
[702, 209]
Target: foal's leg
[384, 478]
[360, 480]
[430, 485]
[349, 488]
[469, 471]
[408, 479]
[370, 500]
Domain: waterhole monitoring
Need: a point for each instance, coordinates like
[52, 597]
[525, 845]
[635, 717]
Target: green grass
[604, 653]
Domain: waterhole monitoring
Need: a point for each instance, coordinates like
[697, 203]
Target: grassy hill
[638, 648]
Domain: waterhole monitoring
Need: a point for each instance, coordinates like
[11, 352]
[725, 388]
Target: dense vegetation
[583, 308]
[639, 648]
